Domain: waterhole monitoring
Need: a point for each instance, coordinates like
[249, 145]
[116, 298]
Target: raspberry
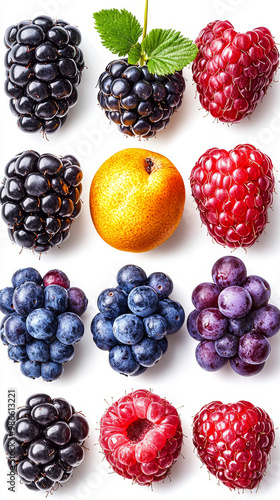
[139, 102]
[40, 198]
[44, 67]
[232, 70]
[141, 436]
[233, 191]
[234, 441]
[45, 442]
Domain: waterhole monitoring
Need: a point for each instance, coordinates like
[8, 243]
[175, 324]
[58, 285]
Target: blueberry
[41, 324]
[112, 302]
[147, 352]
[38, 350]
[142, 300]
[27, 297]
[60, 352]
[15, 330]
[102, 332]
[17, 353]
[122, 360]
[207, 356]
[70, 328]
[163, 344]
[6, 300]
[51, 370]
[130, 276]
[155, 326]
[141, 370]
[128, 329]
[56, 298]
[174, 314]
[192, 325]
[161, 283]
[77, 301]
[31, 369]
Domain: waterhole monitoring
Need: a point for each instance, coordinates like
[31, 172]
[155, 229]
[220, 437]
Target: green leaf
[119, 29]
[134, 54]
[168, 51]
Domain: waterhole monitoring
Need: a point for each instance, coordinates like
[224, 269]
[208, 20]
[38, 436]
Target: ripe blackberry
[44, 67]
[40, 198]
[139, 102]
[44, 442]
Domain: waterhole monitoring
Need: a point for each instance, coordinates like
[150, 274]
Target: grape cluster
[40, 198]
[233, 319]
[139, 102]
[135, 318]
[44, 67]
[44, 442]
[42, 321]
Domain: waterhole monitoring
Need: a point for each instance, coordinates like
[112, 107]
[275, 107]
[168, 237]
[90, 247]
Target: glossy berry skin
[234, 302]
[143, 301]
[40, 212]
[234, 442]
[233, 191]
[232, 70]
[207, 357]
[130, 276]
[229, 271]
[44, 67]
[141, 436]
[139, 102]
[48, 437]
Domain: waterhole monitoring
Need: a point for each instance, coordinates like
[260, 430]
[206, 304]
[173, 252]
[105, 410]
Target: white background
[88, 381]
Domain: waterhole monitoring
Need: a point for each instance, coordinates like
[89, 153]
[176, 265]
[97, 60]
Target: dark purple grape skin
[229, 271]
[266, 320]
[207, 356]
[211, 324]
[243, 368]
[240, 326]
[191, 325]
[205, 295]
[254, 348]
[77, 300]
[234, 302]
[259, 290]
[227, 346]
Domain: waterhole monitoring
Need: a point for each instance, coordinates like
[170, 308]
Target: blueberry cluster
[44, 66]
[139, 102]
[42, 321]
[233, 319]
[40, 198]
[44, 442]
[135, 318]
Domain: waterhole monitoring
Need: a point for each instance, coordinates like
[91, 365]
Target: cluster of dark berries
[40, 198]
[44, 67]
[44, 441]
[135, 319]
[232, 319]
[42, 321]
[139, 102]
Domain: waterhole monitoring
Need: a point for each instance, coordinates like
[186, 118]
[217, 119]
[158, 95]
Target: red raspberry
[233, 191]
[141, 436]
[234, 441]
[232, 70]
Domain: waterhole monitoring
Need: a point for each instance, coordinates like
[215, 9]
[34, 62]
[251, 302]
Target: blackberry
[140, 103]
[40, 198]
[44, 442]
[44, 67]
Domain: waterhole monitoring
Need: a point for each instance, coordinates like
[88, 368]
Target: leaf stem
[142, 58]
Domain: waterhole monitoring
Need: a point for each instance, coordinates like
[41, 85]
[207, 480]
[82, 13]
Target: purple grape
[239, 326]
[267, 320]
[259, 290]
[229, 271]
[254, 348]
[211, 324]
[191, 325]
[205, 295]
[227, 346]
[234, 302]
[77, 300]
[207, 356]
[243, 368]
